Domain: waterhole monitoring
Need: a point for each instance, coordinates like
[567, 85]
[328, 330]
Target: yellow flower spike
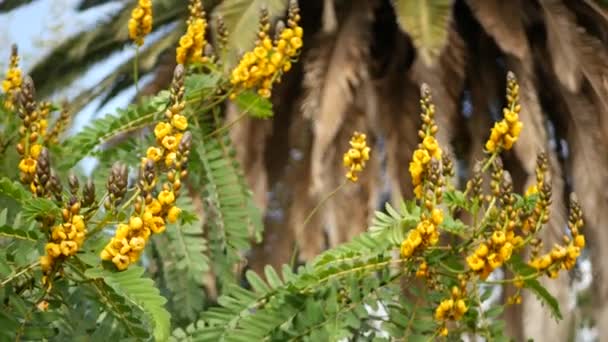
[355, 158]
[140, 23]
[12, 83]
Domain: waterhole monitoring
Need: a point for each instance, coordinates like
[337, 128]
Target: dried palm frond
[332, 74]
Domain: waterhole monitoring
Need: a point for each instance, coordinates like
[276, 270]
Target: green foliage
[426, 22]
[139, 292]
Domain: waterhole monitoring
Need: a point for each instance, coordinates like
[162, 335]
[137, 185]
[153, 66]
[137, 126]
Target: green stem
[309, 217]
[20, 273]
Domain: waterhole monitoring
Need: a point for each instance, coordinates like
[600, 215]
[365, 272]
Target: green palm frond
[70, 59]
[426, 22]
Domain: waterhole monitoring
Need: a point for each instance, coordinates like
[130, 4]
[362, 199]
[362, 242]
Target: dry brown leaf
[503, 21]
[446, 80]
[562, 35]
[588, 167]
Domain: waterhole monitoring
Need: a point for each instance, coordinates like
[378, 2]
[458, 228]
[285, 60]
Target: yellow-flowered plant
[428, 148]
[140, 24]
[12, 82]
[269, 59]
[169, 156]
[192, 43]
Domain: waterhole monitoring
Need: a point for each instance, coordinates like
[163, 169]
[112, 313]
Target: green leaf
[426, 22]
[139, 291]
[39, 207]
[454, 226]
[252, 103]
[19, 234]
[545, 297]
[13, 190]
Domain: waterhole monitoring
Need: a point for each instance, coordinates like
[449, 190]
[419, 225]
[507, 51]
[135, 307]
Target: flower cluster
[505, 132]
[542, 189]
[452, 308]
[425, 234]
[140, 23]
[268, 60]
[31, 130]
[192, 43]
[564, 257]
[498, 248]
[151, 212]
[66, 238]
[493, 253]
[59, 126]
[12, 83]
[355, 158]
[428, 148]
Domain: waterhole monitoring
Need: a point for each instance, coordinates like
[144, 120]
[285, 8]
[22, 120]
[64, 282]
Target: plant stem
[18, 274]
[309, 217]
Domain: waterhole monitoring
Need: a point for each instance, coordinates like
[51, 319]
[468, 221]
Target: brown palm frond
[333, 74]
[502, 20]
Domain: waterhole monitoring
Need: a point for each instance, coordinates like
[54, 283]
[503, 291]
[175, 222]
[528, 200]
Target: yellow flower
[161, 130]
[137, 243]
[46, 262]
[58, 233]
[68, 247]
[296, 42]
[414, 238]
[157, 225]
[35, 150]
[170, 159]
[406, 248]
[154, 207]
[154, 153]
[482, 250]
[185, 41]
[121, 261]
[122, 231]
[179, 121]
[498, 237]
[78, 223]
[28, 165]
[475, 262]
[173, 214]
[135, 223]
[166, 197]
[422, 156]
[53, 250]
[170, 143]
[579, 241]
[494, 260]
[437, 216]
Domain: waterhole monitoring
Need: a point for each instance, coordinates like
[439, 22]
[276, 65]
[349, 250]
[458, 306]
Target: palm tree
[361, 68]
